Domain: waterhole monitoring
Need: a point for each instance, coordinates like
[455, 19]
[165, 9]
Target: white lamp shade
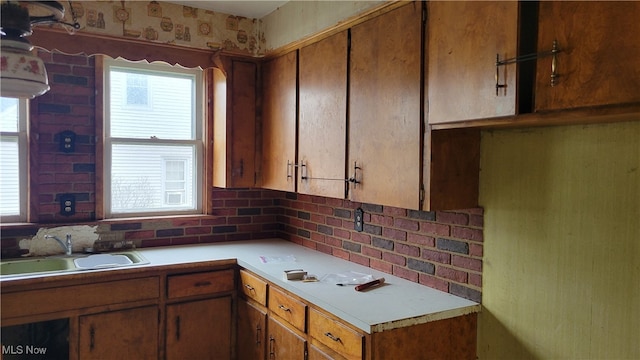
[23, 74]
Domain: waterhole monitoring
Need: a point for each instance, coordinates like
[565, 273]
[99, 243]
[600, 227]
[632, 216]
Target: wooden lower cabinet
[296, 328]
[193, 314]
[123, 315]
[252, 331]
[199, 329]
[123, 334]
[284, 343]
[316, 353]
[336, 335]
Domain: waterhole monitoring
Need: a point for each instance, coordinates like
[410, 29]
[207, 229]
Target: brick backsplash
[442, 250]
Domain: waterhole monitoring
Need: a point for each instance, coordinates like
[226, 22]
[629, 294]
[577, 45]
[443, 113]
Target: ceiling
[247, 8]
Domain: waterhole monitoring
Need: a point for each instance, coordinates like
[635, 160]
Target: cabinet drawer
[200, 283]
[288, 308]
[69, 298]
[253, 287]
[335, 335]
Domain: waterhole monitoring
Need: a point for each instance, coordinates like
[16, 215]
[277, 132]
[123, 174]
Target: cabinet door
[252, 332]
[464, 38]
[235, 125]
[279, 123]
[322, 122]
[599, 62]
[384, 108]
[316, 353]
[124, 334]
[284, 343]
[199, 329]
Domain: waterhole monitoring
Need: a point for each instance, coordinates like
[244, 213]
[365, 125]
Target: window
[175, 181]
[153, 149]
[137, 90]
[13, 159]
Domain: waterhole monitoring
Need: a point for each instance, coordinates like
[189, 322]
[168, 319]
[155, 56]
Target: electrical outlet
[67, 204]
[359, 220]
[67, 141]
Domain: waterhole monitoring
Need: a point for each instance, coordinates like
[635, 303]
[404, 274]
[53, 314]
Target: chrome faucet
[68, 247]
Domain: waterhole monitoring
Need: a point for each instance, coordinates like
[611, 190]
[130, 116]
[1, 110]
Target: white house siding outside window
[13, 159]
[153, 146]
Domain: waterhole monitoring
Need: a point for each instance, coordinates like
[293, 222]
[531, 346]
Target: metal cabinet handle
[554, 64]
[272, 353]
[92, 338]
[258, 334]
[354, 179]
[284, 308]
[178, 328]
[332, 337]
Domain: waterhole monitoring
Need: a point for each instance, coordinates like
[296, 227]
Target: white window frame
[108, 141]
[22, 136]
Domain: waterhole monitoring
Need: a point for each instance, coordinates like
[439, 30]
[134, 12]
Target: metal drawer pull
[330, 336]
[284, 308]
[249, 287]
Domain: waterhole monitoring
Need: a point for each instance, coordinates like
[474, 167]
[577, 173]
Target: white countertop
[397, 303]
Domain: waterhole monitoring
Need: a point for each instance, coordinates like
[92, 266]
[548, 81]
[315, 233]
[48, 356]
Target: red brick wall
[442, 250]
[69, 105]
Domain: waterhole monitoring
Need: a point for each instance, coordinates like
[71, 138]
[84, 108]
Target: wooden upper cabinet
[464, 38]
[323, 117]
[384, 108]
[599, 62]
[234, 124]
[279, 123]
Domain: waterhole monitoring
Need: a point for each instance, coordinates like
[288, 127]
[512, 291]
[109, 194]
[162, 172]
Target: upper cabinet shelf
[322, 133]
[360, 132]
[279, 121]
[600, 59]
[463, 40]
[596, 63]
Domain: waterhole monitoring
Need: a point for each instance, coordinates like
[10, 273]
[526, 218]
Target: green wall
[561, 276]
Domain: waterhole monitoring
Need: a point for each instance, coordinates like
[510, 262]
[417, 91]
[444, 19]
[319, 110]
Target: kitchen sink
[14, 267]
[56, 264]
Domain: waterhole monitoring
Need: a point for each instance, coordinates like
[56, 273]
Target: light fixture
[23, 75]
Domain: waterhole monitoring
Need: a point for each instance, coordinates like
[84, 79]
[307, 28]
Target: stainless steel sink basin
[54, 264]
